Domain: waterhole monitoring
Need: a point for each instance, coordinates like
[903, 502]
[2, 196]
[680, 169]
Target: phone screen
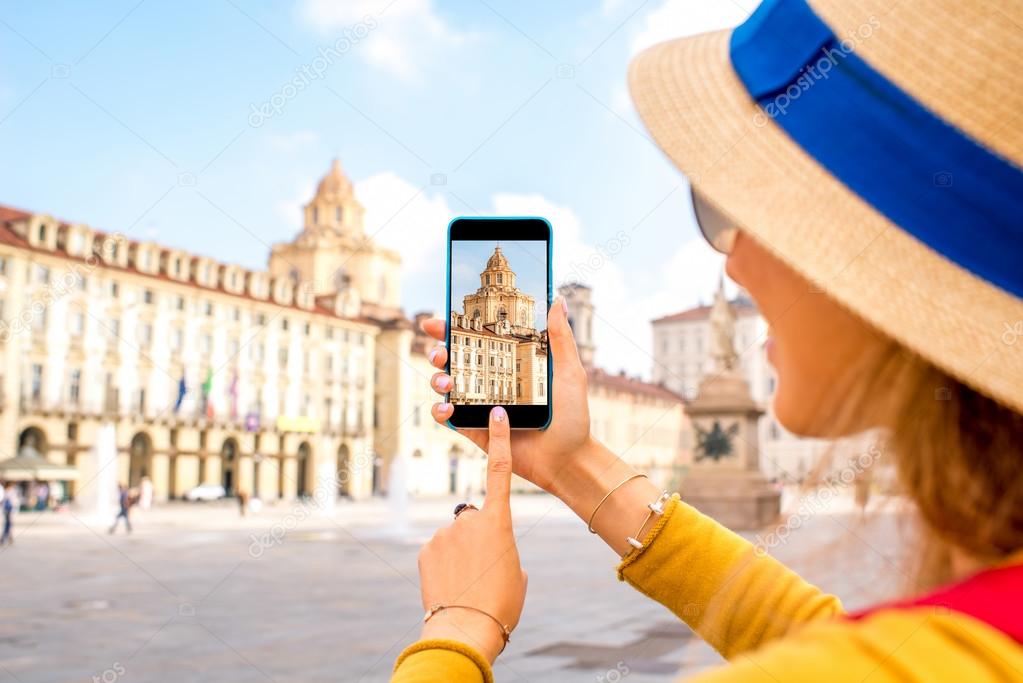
[499, 291]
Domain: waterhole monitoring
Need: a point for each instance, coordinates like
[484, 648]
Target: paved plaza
[292, 594]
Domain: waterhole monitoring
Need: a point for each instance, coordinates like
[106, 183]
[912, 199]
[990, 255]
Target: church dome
[497, 261]
[335, 182]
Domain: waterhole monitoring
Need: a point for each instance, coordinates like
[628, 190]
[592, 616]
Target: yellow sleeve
[441, 661]
[918, 645]
[731, 594]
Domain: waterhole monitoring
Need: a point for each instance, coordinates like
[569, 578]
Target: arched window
[502, 314]
[487, 279]
[500, 279]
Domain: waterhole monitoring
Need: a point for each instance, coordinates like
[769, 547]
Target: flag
[234, 396]
[207, 389]
[182, 390]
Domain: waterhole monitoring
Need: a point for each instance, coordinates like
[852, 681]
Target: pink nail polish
[499, 414]
[443, 407]
[564, 305]
[432, 355]
[444, 383]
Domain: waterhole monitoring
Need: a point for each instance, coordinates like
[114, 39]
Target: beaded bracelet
[656, 508]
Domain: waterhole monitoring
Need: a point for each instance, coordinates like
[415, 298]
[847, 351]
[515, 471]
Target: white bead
[634, 543]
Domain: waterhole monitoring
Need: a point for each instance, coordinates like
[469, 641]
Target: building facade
[304, 379]
[208, 372]
[497, 355]
[682, 357]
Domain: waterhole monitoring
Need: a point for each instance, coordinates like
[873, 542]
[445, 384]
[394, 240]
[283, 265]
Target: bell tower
[332, 254]
[334, 209]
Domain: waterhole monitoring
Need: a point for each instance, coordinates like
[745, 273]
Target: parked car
[206, 492]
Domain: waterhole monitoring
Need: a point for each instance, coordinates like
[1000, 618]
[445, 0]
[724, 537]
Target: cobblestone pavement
[197, 594]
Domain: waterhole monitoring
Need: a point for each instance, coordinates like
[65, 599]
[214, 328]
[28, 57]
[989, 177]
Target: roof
[631, 385]
[741, 305]
[9, 236]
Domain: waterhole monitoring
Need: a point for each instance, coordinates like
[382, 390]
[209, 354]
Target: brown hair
[959, 457]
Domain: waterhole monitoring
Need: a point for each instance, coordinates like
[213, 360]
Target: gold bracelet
[505, 629]
[656, 508]
[589, 523]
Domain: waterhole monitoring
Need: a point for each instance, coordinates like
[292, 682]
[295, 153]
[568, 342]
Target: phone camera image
[499, 332]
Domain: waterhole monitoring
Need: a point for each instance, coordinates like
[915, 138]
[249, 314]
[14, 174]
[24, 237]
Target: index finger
[436, 328]
[499, 463]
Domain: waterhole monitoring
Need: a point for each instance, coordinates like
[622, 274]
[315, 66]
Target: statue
[722, 326]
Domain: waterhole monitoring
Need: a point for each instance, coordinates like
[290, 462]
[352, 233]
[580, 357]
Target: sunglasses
[717, 229]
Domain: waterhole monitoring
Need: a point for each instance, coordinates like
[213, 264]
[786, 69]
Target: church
[497, 356]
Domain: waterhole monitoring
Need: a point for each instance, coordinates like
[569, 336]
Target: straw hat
[960, 59]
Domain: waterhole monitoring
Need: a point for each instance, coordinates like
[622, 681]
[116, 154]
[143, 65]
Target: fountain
[97, 498]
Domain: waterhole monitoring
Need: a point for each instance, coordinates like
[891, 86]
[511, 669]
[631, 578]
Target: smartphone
[499, 289]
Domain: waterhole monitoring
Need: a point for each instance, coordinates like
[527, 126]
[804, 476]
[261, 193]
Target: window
[207, 344]
[518, 390]
[114, 328]
[76, 325]
[487, 278]
[37, 381]
[236, 314]
[208, 308]
[74, 388]
[467, 358]
[316, 214]
[337, 214]
[146, 334]
[147, 296]
[479, 359]
[416, 416]
[307, 329]
[284, 324]
[329, 332]
[177, 339]
[261, 319]
[115, 290]
[282, 357]
[540, 389]
[500, 279]
[3, 266]
[42, 275]
[42, 233]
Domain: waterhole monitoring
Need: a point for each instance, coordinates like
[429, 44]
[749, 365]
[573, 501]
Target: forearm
[595, 472]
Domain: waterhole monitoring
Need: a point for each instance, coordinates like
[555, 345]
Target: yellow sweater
[770, 624]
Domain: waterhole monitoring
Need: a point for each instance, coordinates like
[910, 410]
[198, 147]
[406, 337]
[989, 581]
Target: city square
[194, 594]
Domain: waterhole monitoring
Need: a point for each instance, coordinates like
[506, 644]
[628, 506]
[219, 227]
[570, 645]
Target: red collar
[994, 596]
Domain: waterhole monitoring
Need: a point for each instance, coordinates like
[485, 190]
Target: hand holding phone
[498, 292]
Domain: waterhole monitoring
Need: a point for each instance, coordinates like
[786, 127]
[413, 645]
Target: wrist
[581, 484]
[465, 626]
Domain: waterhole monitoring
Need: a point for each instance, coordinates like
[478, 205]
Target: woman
[859, 163]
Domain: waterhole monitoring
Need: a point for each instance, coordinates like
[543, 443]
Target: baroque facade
[302, 379]
[497, 355]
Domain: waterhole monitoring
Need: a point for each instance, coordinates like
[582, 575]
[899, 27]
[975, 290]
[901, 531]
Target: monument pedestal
[740, 500]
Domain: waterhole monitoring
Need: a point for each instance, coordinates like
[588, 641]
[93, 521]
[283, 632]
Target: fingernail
[443, 407]
[444, 383]
[499, 414]
[432, 355]
[564, 305]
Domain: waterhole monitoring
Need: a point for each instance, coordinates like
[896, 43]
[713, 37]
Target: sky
[526, 258]
[206, 124]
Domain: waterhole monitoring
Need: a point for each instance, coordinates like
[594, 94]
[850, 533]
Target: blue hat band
[923, 174]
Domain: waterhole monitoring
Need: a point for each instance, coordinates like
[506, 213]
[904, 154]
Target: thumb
[562, 340]
[499, 463]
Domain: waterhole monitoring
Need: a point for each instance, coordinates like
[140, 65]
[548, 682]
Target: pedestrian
[868, 196]
[124, 502]
[8, 510]
[243, 502]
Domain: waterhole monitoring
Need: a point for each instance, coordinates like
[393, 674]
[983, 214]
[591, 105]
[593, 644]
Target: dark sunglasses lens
[717, 229]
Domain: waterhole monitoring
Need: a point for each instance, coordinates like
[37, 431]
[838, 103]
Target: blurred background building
[681, 358]
[303, 378]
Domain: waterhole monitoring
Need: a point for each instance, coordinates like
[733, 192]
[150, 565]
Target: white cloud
[405, 31]
[401, 216]
[677, 18]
